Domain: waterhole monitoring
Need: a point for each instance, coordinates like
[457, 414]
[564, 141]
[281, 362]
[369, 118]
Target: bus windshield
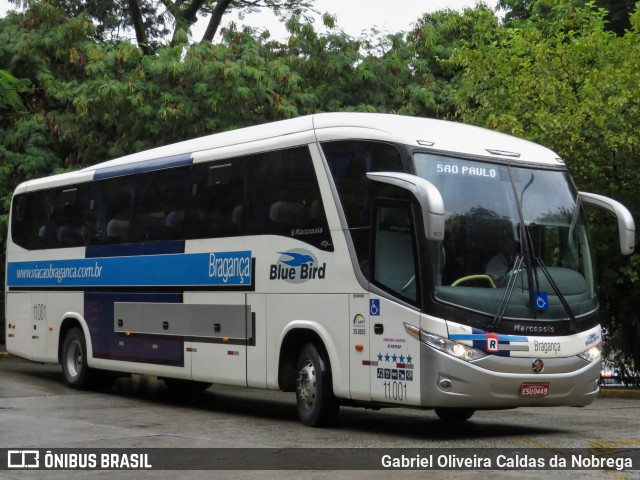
[516, 244]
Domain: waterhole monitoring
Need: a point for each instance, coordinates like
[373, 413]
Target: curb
[622, 392]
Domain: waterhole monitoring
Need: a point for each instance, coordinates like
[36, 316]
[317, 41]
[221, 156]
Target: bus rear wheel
[75, 370]
[317, 406]
[454, 414]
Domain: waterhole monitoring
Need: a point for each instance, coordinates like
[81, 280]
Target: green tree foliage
[155, 21]
[10, 89]
[430, 78]
[572, 85]
[405, 73]
[618, 11]
[91, 100]
[87, 100]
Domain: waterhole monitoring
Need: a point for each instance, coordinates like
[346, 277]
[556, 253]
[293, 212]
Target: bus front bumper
[496, 382]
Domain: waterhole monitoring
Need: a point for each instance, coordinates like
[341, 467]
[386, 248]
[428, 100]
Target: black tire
[75, 370]
[454, 415]
[317, 406]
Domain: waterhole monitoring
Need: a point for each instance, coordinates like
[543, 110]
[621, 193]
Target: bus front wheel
[75, 370]
[317, 405]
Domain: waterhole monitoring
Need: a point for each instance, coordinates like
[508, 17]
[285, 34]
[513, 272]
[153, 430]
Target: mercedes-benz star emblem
[537, 366]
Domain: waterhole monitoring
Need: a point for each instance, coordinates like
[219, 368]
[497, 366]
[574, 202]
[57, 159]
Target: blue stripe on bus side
[177, 270]
[483, 337]
[144, 166]
[135, 249]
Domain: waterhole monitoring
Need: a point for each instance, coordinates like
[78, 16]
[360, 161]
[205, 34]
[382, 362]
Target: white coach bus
[356, 259]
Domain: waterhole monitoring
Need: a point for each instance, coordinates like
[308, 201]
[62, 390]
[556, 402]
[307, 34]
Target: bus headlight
[457, 349]
[592, 354]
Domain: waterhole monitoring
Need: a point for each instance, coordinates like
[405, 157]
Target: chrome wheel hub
[307, 385]
[74, 359]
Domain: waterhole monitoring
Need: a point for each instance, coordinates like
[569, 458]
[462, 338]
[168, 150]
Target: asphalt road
[38, 411]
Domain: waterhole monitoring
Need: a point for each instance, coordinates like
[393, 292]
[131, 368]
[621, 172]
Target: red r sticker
[492, 342]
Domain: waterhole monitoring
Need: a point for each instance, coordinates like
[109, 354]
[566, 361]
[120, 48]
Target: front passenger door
[395, 377]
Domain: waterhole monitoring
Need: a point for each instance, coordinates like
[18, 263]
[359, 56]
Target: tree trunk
[138, 25]
[216, 18]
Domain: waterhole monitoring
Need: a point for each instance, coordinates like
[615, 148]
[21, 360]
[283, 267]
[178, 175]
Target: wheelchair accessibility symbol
[542, 301]
[374, 307]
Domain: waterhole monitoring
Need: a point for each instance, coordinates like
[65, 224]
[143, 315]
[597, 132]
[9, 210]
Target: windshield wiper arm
[556, 290]
[552, 282]
[517, 266]
[528, 247]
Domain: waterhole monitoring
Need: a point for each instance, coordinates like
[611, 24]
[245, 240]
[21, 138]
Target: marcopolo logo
[297, 266]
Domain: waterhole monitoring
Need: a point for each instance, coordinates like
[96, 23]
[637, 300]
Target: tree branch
[189, 14]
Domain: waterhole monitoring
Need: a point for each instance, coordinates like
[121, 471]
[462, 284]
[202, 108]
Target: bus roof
[444, 136]
[435, 135]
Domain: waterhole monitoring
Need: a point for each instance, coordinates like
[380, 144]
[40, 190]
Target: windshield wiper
[552, 282]
[528, 247]
[513, 277]
[556, 290]
[524, 247]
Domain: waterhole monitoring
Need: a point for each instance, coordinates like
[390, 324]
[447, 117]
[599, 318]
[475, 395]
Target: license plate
[534, 389]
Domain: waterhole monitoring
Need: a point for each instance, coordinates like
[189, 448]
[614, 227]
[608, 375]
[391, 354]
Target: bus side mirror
[427, 195]
[626, 225]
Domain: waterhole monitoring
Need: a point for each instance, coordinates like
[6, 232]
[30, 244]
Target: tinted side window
[139, 208]
[161, 205]
[272, 193]
[50, 218]
[349, 162]
[219, 199]
[111, 210]
[69, 210]
[286, 198]
[29, 219]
